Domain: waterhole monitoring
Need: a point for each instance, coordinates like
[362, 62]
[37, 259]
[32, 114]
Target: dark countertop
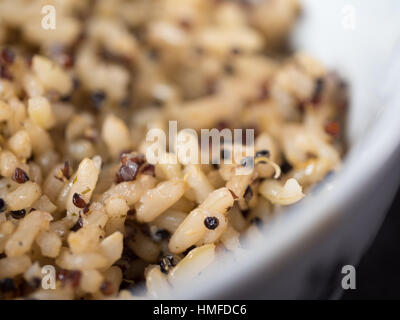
[378, 274]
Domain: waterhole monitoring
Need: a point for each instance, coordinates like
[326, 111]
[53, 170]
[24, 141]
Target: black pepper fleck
[211, 223]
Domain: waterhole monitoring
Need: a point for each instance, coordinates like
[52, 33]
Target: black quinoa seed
[166, 264]
[18, 214]
[3, 205]
[263, 153]
[211, 223]
[248, 194]
[20, 176]
[7, 55]
[78, 201]
[127, 172]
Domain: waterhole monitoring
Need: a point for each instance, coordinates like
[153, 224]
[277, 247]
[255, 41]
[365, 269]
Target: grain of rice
[21, 240]
[195, 262]
[24, 196]
[167, 193]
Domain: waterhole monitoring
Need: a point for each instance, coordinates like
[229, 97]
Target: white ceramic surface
[304, 249]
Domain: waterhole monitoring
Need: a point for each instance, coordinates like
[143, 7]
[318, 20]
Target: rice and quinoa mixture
[77, 192]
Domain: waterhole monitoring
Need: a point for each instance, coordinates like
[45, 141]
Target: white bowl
[304, 249]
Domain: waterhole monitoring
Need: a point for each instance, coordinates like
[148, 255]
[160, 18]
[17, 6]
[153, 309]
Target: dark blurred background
[378, 274]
